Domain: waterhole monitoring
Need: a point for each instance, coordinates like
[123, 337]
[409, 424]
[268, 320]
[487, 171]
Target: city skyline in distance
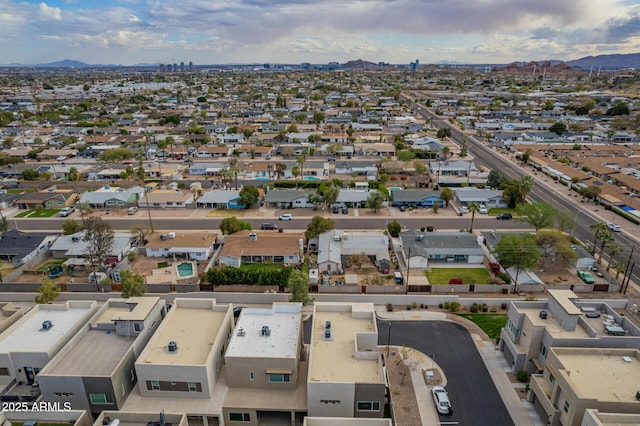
[128, 32]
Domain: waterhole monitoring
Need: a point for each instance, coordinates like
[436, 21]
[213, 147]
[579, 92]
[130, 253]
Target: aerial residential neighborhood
[319, 244]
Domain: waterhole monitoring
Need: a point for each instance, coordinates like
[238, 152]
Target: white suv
[614, 227]
[66, 211]
[483, 209]
[286, 216]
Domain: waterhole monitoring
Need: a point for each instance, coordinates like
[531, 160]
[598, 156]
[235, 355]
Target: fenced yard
[438, 276]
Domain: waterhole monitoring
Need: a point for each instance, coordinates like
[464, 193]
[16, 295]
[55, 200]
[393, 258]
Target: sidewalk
[522, 412]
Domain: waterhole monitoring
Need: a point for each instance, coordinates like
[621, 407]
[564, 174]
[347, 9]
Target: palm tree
[447, 195]
[613, 250]
[525, 184]
[301, 160]
[445, 152]
[605, 239]
[474, 208]
[420, 169]
[295, 171]
[234, 169]
[619, 268]
[280, 169]
[598, 228]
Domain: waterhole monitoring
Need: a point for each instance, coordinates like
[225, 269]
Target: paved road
[474, 397]
[449, 223]
[583, 219]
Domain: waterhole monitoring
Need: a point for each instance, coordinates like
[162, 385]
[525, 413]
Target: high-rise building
[190, 66]
[169, 67]
[175, 67]
[181, 66]
[162, 68]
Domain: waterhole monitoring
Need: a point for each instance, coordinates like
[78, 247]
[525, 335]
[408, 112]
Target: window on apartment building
[368, 406]
[330, 401]
[566, 406]
[124, 391]
[193, 386]
[240, 417]
[251, 375]
[137, 327]
[543, 351]
[4, 371]
[63, 394]
[100, 398]
[155, 385]
[279, 378]
[552, 378]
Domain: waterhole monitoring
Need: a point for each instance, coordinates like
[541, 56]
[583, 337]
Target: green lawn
[51, 263]
[262, 266]
[497, 210]
[489, 323]
[468, 275]
[39, 213]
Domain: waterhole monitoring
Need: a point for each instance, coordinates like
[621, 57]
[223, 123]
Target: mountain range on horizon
[629, 60]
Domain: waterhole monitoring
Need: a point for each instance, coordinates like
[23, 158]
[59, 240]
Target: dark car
[403, 208]
[504, 216]
[269, 226]
[335, 209]
[345, 210]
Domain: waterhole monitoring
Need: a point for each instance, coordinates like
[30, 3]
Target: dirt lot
[405, 404]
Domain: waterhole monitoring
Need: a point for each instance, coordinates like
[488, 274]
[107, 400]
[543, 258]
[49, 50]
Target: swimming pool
[311, 178]
[185, 269]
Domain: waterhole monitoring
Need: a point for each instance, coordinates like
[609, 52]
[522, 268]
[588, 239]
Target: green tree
[539, 215]
[474, 208]
[301, 160]
[525, 156]
[558, 128]
[71, 226]
[406, 155]
[330, 194]
[620, 108]
[30, 174]
[394, 228]
[512, 193]
[590, 192]
[375, 201]
[495, 179]
[298, 285]
[555, 248]
[4, 223]
[420, 169]
[280, 169]
[620, 268]
[612, 250]
[447, 195]
[74, 176]
[606, 239]
[99, 238]
[565, 220]
[48, 292]
[132, 284]
[598, 229]
[249, 196]
[335, 148]
[116, 155]
[231, 225]
[295, 171]
[520, 251]
[317, 226]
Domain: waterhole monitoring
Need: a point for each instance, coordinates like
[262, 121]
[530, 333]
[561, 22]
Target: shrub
[522, 377]
[474, 308]
[422, 229]
[414, 305]
[485, 308]
[408, 307]
[493, 309]
[422, 306]
[454, 306]
[132, 256]
[430, 228]
[389, 307]
[504, 277]
[503, 306]
[440, 305]
[446, 305]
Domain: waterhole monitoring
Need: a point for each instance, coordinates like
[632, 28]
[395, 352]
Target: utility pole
[626, 269]
[389, 340]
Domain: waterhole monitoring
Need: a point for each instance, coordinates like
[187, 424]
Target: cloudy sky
[318, 31]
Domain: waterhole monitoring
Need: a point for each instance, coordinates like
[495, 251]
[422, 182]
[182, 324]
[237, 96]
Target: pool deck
[169, 275]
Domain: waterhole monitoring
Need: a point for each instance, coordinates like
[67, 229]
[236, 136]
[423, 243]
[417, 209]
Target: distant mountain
[65, 63]
[629, 60]
[359, 64]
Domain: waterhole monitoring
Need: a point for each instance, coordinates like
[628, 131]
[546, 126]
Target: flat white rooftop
[552, 325]
[602, 374]
[283, 320]
[194, 329]
[27, 335]
[133, 309]
[334, 360]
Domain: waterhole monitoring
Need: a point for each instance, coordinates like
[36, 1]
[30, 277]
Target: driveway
[474, 397]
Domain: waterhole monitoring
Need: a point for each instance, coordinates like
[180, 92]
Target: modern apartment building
[141, 419]
[34, 340]
[562, 321]
[265, 366]
[95, 370]
[577, 379]
[185, 355]
[346, 377]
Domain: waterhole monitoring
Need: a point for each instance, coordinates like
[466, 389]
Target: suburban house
[166, 198]
[112, 197]
[360, 168]
[266, 367]
[334, 248]
[206, 169]
[488, 198]
[212, 151]
[416, 198]
[456, 173]
[182, 245]
[422, 249]
[534, 327]
[522, 276]
[220, 199]
[19, 248]
[346, 377]
[576, 379]
[34, 339]
[74, 247]
[95, 370]
[184, 357]
[55, 199]
[262, 247]
[352, 198]
[287, 198]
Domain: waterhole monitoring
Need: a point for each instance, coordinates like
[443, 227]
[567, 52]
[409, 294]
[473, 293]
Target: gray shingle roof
[440, 243]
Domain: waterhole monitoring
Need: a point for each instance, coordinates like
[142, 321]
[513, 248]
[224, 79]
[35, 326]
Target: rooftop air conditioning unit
[543, 314]
[46, 325]
[163, 237]
[265, 331]
[75, 239]
[253, 236]
[172, 346]
[172, 235]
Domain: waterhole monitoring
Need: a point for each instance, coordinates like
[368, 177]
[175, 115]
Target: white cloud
[47, 12]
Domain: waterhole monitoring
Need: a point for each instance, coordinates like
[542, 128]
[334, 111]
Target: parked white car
[614, 227]
[463, 209]
[286, 216]
[441, 399]
[66, 211]
[483, 209]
